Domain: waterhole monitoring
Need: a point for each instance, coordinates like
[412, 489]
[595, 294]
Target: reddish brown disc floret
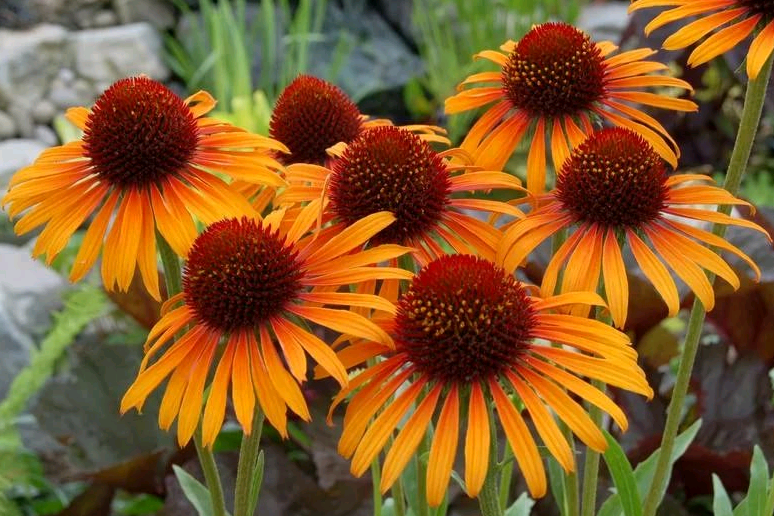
[391, 169]
[311, 115]
[138, 132]
[555, 70]
[614, 178]
[240, 273]
[462, 319]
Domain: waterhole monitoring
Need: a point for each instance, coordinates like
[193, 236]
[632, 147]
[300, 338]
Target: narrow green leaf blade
[195, 491]
[721, 504]
[521, 507]
[759, 477]
[623, 477]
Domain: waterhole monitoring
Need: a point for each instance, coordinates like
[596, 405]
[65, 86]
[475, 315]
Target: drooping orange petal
[272, 404]
[498, 145]
[320, 351]
[173, 220]
[443, 448]
[567, 409]
[215, 409]
[655, 271]
[522, 444]
[484, 125]
[598, 368]
[653, 99]
[584, 390]
[484, 180]
[352, 236]
[716, 217]
[583, 267]
[686, 269]
[408, 439]
[173, 394]
[544, 423]
[760, 50]
[694, 31]
[377, 254]
[471, 99]
[191, 406]
[342, 321]
[146, 251]
[122, 243]
[477, 441]
[92, 241]
[382, 428]
[283, 382]
[684, 10]
[536, 159]
[371, 378]
[349, 299]
[616, 282]
[291, 350]
[568, 298]
[358, 417]
[242, 391]
[723, 41]
[559, 149]
[200, 103]
[78, 116]
[551, 274]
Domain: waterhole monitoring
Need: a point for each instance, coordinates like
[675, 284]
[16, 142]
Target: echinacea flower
[248, 283]
[392, 169]
[312, 115]
[149, 158]
[729, 22]
[468, 340]
[612, 190]
[555, 82]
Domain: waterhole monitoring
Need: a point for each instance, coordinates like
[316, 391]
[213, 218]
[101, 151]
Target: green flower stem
[399, 498]
[505, 475]
[591, 464]
[571, 487]
[248, 458]
[173, 279]
[489, 496]
[748, 126]
[422, 451]
[376, 479]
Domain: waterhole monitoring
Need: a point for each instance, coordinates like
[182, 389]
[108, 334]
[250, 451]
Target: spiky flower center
[311, 115]
[463, 318]
[555, 70]
[391, 169]
[240, 273]
[765, 8]
[613, 178]
[138, 132]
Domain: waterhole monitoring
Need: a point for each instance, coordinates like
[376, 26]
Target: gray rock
[7, 126]
[29, 60]
[105, 55]
[28, 294]
[65, 94]
[43, 111]
[15, 154]
[605, 21]
[159, 14]
[379, 59]
[398, 13]
[105, 18]
[45, 134]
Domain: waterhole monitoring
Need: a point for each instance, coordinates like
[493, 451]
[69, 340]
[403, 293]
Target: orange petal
[760, 50]
[655, 271]
[320, 351]
[536, 160]
[291, 350]
[191, 407]
[723, 41]
[242, 384]
[342, 321]
[616, 282]
[272, 404]
[215, 410]
[443, 449]
[283, 383]
[477, 441]
[92, 241]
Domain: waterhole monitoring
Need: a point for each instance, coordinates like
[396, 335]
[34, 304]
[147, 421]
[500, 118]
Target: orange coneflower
[747, 15]
[468, 339]
[392, 169]
[556, 81]
[614, 189]
[311, 115]
[248, 283]
[149, 157]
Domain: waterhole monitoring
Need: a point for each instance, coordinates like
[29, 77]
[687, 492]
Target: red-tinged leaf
[94, 501]
[137, 475]
[137, 303]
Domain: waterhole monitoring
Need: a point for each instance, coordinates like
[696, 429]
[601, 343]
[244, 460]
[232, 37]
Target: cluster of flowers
[366, 229]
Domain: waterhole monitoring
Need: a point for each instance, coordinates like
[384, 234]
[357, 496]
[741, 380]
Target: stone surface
[104, 55]
[67, 93]
[46, 135]
[7, 126]
[43, 111]
[27, 297]
[160, 14]
[398, 14]
[29, 60]
[378, 60]
[15, 154]
[605, 21]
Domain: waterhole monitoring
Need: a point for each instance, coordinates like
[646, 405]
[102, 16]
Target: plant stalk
[748, 127]
[489, 496]
[248, 458]
[591, 463]
[173, 279]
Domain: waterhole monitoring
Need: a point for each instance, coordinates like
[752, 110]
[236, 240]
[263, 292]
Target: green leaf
[195, 491]
[623, 477]
[769, 509]
[759, 477]
[721, 504]
[521, 507]
[646, 469]
[255, 487]
[556, 482]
